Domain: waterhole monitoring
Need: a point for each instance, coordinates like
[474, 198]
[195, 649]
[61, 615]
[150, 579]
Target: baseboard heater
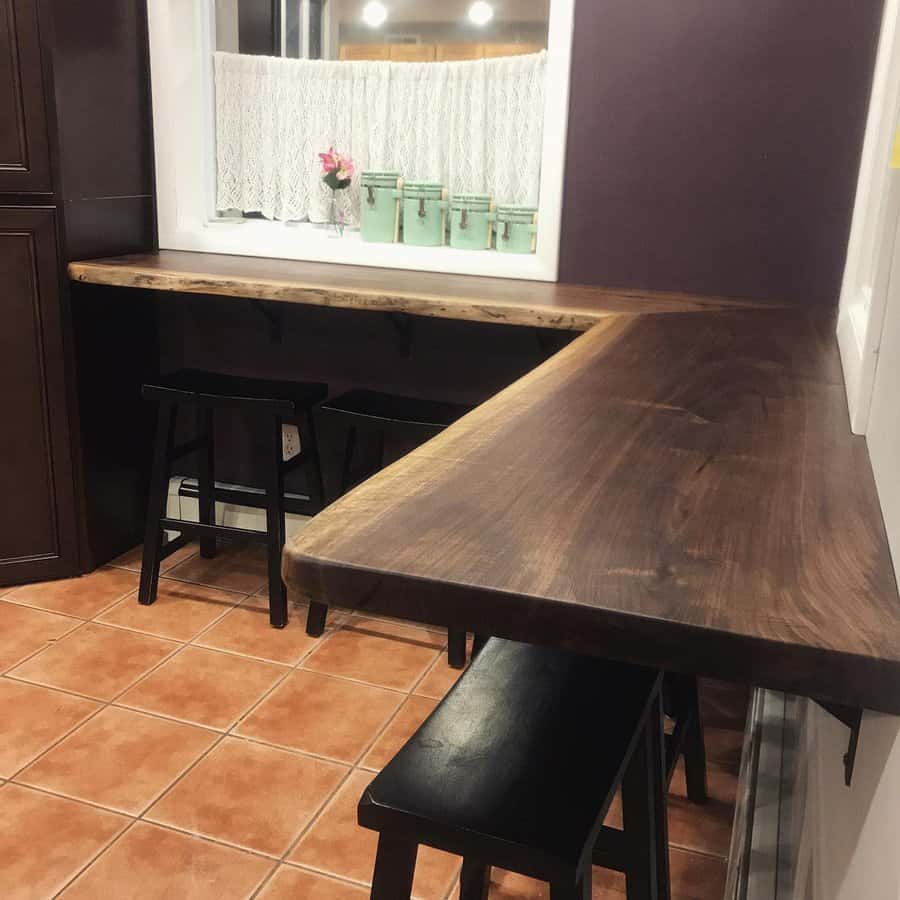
[762, 858]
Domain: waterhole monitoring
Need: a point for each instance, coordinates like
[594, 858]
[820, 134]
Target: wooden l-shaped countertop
[677, 487]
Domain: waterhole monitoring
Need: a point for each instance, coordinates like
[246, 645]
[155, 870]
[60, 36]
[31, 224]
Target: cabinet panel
[37, 513]
[24, 154]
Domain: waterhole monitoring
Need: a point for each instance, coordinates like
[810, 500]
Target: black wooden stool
[517, 768]
[270, 403]
[374, 414]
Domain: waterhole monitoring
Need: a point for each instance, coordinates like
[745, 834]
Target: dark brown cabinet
[24, 147]
[76, 180]
[37, 512]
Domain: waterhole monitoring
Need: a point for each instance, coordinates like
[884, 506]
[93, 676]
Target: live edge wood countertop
[678, 487]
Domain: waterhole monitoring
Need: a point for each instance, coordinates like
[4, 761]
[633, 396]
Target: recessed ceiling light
[480, 12]
[375, 14]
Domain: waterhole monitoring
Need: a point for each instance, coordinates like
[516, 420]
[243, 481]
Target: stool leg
[315, 619]
[456, 648]
[206, 482]
[577, 889]
[156, 502]
[395, 865]
[475, 880]
[312, 464]
[275, 525]
[318, 612]
[644, 814]
[347, 467]
[694, 745]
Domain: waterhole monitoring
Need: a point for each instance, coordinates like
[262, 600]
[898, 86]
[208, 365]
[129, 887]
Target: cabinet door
[24, 153]
[38, 534]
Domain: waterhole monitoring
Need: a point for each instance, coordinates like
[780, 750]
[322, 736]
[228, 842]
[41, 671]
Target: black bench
[517, 767]
[269, 403]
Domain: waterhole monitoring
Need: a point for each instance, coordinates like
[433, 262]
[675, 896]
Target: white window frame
[876, 212]
[181, 56]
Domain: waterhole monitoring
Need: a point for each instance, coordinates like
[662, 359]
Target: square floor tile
[24, 631]
[34, 718]
[153, 863]
[440, 678]
[45, 841]
[246, 630]
[132, 559]
[368, 654]
[337, 845]
[181, 611]
[83, 597]
[692, 876]
[251, 795]
[322, 715]
[96, 660]
[704, 827]
[234, 568]
[204, 687]
[119, 759]
[289, 883]
[402, 727]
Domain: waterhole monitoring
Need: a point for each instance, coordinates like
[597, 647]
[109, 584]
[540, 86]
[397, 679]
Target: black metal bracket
[403, 326]
[851, 716]
[273, 318]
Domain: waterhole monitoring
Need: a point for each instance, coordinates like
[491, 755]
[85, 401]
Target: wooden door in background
[24, 150]
[38, 531]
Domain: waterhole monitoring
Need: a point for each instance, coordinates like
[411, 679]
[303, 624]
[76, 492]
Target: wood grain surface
[682, 491]
[467, 297]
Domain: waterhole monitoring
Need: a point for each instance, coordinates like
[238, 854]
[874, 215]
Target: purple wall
[714, 144]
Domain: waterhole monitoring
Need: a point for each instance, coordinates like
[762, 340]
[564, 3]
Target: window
[458, 98]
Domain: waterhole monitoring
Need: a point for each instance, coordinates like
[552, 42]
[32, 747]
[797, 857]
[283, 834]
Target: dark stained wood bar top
[677, 490]
[467, 297]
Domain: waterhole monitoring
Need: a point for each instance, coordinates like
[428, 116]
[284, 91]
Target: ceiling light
[480, 13]
[375, 13]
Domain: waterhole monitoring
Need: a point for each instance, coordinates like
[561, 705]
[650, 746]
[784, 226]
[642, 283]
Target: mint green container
[516, 229]
[379, 203]
[471, 221]
[424, 214]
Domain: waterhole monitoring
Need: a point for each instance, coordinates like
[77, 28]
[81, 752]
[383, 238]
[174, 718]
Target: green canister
[516, 229]
[471, 221]
[379, 202]
[424, 214]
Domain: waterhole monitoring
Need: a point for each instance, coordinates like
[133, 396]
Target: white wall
[852, 835]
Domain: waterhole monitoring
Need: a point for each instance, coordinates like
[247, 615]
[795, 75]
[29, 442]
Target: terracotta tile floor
[188, 750]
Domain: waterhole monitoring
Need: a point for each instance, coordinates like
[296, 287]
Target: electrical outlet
[290, 442]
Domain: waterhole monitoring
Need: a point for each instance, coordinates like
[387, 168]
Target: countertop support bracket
[851, 716]
[403, 326]
[272, 317]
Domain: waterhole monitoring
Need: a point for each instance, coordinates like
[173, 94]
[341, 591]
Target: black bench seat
[518, 766]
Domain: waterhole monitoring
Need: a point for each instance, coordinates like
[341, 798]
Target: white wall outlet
[290, 441]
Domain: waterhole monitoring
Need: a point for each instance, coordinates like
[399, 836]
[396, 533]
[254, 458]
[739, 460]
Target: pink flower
[341, 165]
[329, 160]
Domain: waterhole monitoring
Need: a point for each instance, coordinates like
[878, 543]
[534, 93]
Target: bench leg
[694, 745]
[156, 502]
[478, 643]
[456, 648]
[475, 880]
[395, 865]
[278, 611]
[206, 484]
[315, 619]
[644, 814]
[577, 889]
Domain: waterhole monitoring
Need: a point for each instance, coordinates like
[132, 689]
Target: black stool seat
[392, 408]
[283, 398]
[518, 766]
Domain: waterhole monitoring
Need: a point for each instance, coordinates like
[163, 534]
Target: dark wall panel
[713, 147]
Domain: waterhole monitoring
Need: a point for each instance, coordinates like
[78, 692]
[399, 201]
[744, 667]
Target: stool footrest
[196, 529]
[174, 546]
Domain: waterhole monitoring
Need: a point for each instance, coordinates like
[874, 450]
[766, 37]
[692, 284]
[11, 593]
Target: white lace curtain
[474, 126]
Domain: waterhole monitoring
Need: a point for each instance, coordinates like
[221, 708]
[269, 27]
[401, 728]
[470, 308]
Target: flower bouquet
[338, 171]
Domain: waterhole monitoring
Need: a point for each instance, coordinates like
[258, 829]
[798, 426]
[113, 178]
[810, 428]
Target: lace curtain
[474, 126]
